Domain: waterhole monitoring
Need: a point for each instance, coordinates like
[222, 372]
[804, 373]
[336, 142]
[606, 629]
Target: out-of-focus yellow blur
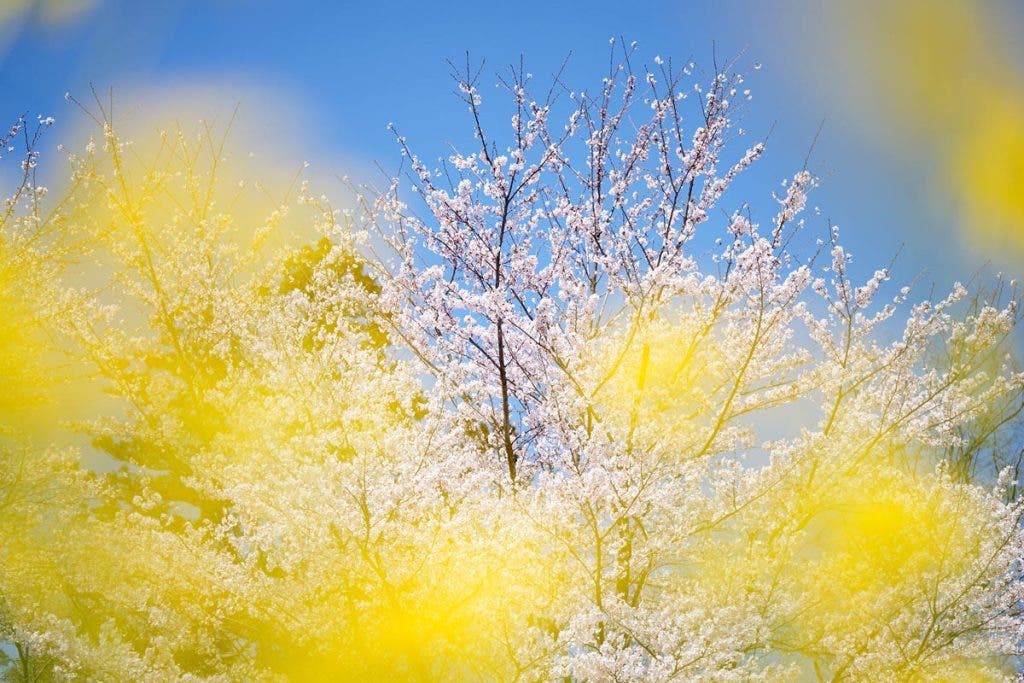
[946, 85]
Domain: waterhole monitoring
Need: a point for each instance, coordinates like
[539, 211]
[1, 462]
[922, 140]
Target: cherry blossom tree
[558, 408]
[619, 369]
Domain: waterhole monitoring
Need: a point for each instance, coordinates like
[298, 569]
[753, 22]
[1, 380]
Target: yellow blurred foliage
[987, 166]
[950, 87]
[654, 379]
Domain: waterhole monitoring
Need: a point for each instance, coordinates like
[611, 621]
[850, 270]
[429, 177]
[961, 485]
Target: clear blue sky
[353, 67]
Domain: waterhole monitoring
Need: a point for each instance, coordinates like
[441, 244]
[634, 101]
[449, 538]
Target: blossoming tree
[560, 408]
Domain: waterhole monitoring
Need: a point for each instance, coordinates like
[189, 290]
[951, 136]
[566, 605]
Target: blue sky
[347, 69]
